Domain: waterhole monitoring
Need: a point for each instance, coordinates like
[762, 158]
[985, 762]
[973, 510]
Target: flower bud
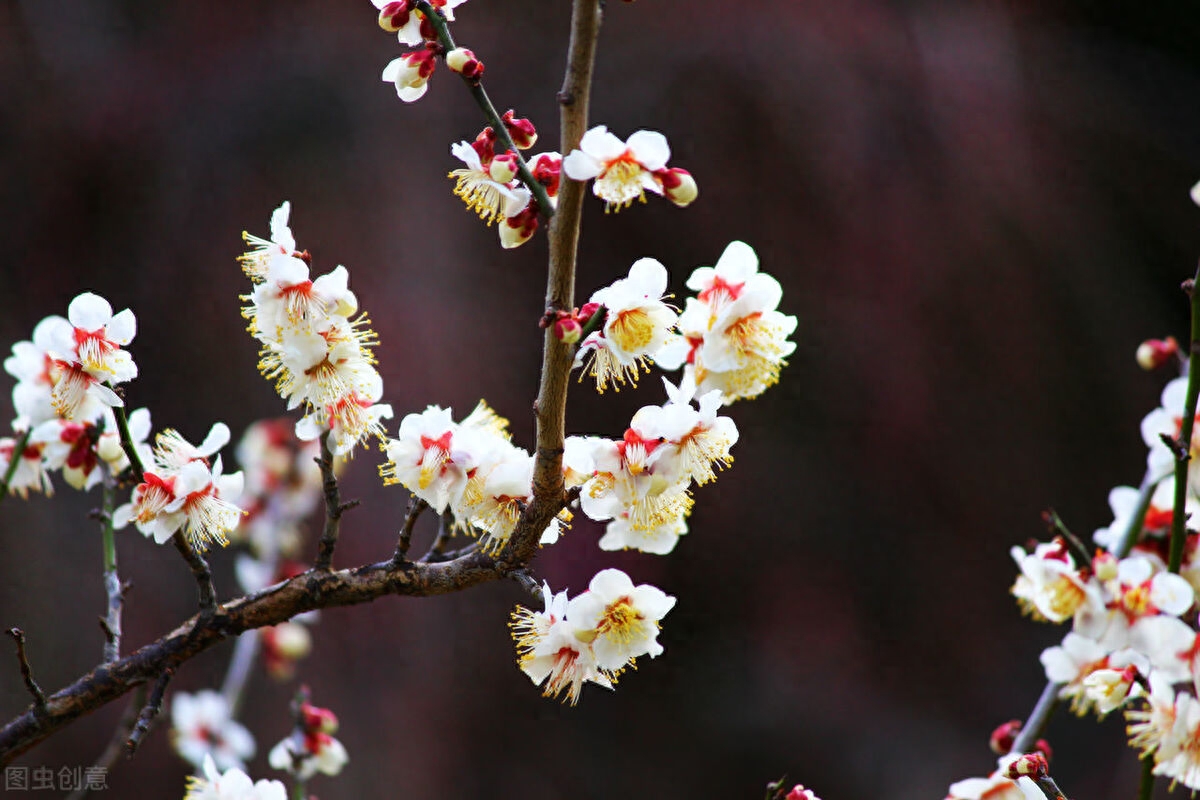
[503, 167]
[318, 720]
[521, 131]
[547, 170]
[518, 229]
[678, 185]
[1153, 353]
[292, 640]
[586, 312]
[798, 791]
[394, 16]
[1043, 747]
[1104, 566]
[568, 329]
[1030, 765]
[1001, 740]
[463, 61]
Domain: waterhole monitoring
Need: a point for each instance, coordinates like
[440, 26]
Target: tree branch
[200, 571]
[115, 592]
[1183, 457]
[150, 712]
[14, 462]
[415, 506]
[334, 507]
[306, 592]
[116, 745]
[39, 697]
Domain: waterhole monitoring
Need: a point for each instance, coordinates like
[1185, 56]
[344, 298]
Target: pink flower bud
[517, 230]
[1031, 765]
[1043, 747]
[1153, 353]
[410, 72]
[547, 170]
[463, 61]
[587, 311]
[678, 185]
[1104, 566]
[394, 16]
[318, 720]
[568, 329]
[1001, 740]
[521, 130]
[798, 791]
[503, 167]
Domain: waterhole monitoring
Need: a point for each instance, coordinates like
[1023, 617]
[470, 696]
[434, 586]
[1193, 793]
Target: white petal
[89, 311]
[650, 148]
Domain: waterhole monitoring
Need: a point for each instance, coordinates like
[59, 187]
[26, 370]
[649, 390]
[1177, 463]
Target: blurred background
[977, 211]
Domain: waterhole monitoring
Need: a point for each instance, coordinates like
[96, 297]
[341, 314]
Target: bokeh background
[977, 211]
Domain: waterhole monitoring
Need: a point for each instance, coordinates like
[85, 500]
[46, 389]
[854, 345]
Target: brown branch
[415, 506]
[306, 592]
[557, 356]
[200, 571]
[149, 712]
[39, 697]
[445, 532]
[334, 507]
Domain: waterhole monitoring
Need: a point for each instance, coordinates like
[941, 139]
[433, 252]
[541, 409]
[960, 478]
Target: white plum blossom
[549, 652]
[485, 195]
[1050, 584]
[233, 784]
[86, 356]
[637, 324]
[622, 171]
[30, 472]
[620, 619]
[410, 73]
[32, 365]
[282, 244]
[202, 728]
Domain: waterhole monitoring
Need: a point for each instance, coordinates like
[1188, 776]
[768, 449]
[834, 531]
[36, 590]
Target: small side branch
[135, 461]
[334, 508]
[1031, 731]
[437, 550]
[110, 623]
[1183, 455]
[485, 105]
[415, 506]
[200, 571]
[529, 583]
[39, 697]
[149, 712]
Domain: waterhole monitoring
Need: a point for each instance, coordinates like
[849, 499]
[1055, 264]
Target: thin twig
[149, 712]
[135, 460]
[1136, 522]
[415, 506]
[240, 664]
[1146, 784]
[445, 532]
[1056, 525]
[529, 583]
[545, 207]
[200, 571]
[116, 745]
[334, 507]
[1178, 530]
[1031, 731]
[15, 461]
[39, 697]
[115, 592]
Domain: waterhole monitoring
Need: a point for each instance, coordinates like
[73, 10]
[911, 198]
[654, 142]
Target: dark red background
[977, 210]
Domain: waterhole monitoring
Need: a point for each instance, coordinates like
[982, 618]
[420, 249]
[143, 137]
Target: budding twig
[415, 506]
[1178, 530]
[149, 712]
[545, 207]
[445, 532]
[13, 462]
[1078, 549]
[39, 697]
[334, 507]
[1031, 731]
[135, 461]
[1137, 521]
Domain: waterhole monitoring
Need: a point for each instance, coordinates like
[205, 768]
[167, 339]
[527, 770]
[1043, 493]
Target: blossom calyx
[464, 62]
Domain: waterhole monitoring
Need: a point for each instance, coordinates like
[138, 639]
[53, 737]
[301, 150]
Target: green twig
[1183, 454]
[13, 462]
[135, 461]
[1146, 785]
[485, 105]
[111, 621]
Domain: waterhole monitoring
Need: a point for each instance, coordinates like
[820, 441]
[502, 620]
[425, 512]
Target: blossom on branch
[621, 171]
[203, 730]
[233, 784]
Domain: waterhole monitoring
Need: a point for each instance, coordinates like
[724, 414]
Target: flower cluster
[489, 184]
[311, 747]
[317, 355]
[410, 72]
[999, 785]
[731, 337]
[182, 491]
[592, 637]
[470, 468]
[639, 484]
[622, 172]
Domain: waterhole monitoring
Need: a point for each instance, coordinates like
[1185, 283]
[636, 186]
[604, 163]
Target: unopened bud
[678, 185]
[1153, 353]
[517, 230]
[1030, 765]
[394, 16]
[1001, 740]
[521, 131]
[798, 791]
[463, 61]
[1043, 747]
[503, 167]
[318, 720]
[547, 170]
[586, 312]
[568, 330]
[292, 641]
